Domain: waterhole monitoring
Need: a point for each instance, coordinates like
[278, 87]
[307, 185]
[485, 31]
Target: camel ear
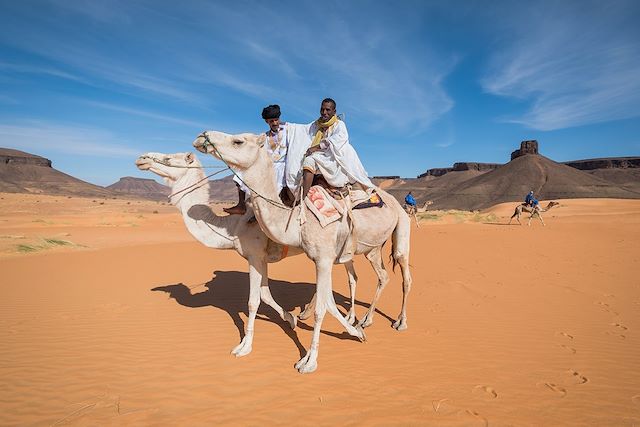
[261, 139]
[189, 158]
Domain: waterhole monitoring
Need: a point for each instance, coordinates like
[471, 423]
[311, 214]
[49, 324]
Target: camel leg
[306, 313]
[265, 295]
[541, 220]
[324, 302]
[353, 280]
[401, 238]
[257, 270]
[375, 258]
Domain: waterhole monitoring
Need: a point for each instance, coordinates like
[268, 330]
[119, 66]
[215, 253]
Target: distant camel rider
[331, 154]
[410, 201]
[276, 145]
[528, 199]
[534, 203]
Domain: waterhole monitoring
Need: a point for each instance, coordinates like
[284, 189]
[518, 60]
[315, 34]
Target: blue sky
[92, 84]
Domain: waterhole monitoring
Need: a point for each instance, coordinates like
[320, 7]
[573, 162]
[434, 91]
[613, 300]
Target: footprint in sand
[560, 391]
[619, 326]
[486, 391]
[569, 349]
[467, 413]
[443, 407]
[606, 307]
[577, 377]
[616, 331]
[566, 335]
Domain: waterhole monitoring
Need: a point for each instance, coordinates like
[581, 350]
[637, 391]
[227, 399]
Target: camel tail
[400, 241]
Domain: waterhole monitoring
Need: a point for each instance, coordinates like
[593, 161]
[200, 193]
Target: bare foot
[235, 210]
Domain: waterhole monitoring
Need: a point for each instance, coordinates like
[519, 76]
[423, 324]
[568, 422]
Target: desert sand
[112, 314]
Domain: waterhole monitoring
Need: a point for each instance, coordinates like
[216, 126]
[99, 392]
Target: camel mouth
[143, 164]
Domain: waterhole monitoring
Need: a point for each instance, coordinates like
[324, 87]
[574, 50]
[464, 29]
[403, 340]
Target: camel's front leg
[353, 280]
[257, 270]
[324, 302]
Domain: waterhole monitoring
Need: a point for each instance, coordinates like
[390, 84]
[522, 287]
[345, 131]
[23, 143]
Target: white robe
[337, 156]
[277, 147]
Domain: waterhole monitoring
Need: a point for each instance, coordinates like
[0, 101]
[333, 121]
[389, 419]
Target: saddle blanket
[324, 207]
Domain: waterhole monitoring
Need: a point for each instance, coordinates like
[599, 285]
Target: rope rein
[207, 141]
[193, 185]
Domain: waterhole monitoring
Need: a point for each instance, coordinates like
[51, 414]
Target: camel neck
[279, 223]
[203, 224]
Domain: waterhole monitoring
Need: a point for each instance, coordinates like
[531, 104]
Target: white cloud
[578, 64]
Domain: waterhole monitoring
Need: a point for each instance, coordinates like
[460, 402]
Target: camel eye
[238, 142]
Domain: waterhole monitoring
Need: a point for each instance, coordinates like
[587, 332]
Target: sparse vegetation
[47, 243]
[428, 217]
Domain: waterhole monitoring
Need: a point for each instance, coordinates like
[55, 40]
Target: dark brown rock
[526, 147]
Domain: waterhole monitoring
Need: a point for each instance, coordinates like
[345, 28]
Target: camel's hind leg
[265, 295]
[375, 258]
[353, 280]
[516, 215]
[400, 252]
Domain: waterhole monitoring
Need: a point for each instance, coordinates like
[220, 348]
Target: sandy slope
[508, 325]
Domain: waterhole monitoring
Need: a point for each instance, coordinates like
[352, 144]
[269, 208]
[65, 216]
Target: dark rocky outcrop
[22, 172]
[526, 147]
[461, 166]
[605, 163]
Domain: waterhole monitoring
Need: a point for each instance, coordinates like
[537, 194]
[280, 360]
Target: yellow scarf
[322, 126]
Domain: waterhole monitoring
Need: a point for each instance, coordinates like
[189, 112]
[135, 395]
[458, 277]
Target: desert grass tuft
[46, 243]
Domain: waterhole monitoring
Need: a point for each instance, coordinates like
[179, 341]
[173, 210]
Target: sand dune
[132, 323]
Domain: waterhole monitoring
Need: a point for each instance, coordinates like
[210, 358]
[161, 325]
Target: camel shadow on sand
[229, 291]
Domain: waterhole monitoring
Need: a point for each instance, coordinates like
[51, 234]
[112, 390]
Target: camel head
[237, 151]
[170, 167]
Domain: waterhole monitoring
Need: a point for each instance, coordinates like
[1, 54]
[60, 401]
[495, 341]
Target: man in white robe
[276, 145]
[331, 154]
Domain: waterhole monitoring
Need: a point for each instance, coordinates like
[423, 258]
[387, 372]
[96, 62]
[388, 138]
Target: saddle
[360, 198]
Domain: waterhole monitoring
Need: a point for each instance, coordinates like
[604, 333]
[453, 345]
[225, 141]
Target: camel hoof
[241, 350]
[308, 368]
[291, 319]
[363, 336]
[306, 365]
[351, 318]
[305, 314]
[399, 325]
[366, 321]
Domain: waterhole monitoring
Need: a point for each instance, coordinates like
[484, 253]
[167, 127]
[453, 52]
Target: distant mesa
[22, 172]
[526, 147]
[145, 188]
[461, 166]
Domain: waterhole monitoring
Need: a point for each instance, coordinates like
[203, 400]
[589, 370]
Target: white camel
[183, 173]
[372, 227]
[533, 211]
